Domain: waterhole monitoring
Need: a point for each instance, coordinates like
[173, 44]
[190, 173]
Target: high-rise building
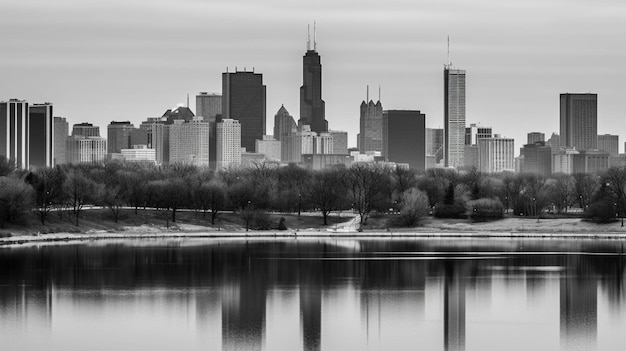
[244, 100]
[123, 135]
[82, 149]
[14, 131]
[307, 142]
[404, 137]
[208, 106]
[609, 143]
[189, 142]
[554, 143]
[61, 132]
[496, 154]
[563, 160]
[158, 138]
[579, 121]
[454, 116]
[269, 147]
[340, 142]
[86, 130]
[228, 143]
[537, 158]
[434, 144]
[312, 107]
[371, 127]
[284, 126]
[475, 132]
[534, 137]
[40, 135]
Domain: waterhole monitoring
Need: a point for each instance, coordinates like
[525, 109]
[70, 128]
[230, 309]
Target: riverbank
[96, 225]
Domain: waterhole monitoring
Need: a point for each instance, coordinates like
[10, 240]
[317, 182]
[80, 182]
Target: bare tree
[615, 180]
[78, 190]
[365, 184]
[327, 191]
[413, 206]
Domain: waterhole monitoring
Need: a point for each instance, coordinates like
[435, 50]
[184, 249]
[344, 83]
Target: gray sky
[99, 61]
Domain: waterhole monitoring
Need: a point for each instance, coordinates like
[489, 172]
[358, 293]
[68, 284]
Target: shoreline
[71, 238]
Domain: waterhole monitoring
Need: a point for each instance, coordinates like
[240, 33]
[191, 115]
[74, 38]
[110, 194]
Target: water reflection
[315, 295]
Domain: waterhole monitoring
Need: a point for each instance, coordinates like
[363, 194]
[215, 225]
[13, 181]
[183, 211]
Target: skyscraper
[534, 137]
[434, 144]
[340, 141]
[404, 137]
[312, 107]
[371, 126]
[209, 106]
[475, 132]
[537, 158]
[61, 132]
[40, 135]
[609, 143]
[14, 131]
[85, 145]
[284, 127]
[244, 100]
[579, 121]
[454, 115]
[496, 154]
[228, 140]
[189, 142]
[123, 135]
[158, 138]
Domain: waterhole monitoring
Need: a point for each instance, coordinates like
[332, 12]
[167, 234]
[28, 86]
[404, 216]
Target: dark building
[14, 131]
[404, 133]
[86, 130]
[61, 132]
[209, 106]
[371, 126]
[534, 137]
[579, 121]
[312, 107]
[123, 135]
[284, 126]
[434, 144]
[243, 99]
[180, 112]
[41, 135]
[537, 158]
[591, 161]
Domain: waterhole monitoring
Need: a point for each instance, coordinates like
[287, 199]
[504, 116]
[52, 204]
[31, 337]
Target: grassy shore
[99, 224]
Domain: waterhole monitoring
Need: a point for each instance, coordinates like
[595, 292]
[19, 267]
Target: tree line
[363, 188]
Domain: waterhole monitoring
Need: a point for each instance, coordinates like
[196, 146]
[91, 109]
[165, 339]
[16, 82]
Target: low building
[81, 149]
[269, 147]
[139, 154]
[321, 161]
[537, 158]
[563, 160]
[591, 161]
[496, 154]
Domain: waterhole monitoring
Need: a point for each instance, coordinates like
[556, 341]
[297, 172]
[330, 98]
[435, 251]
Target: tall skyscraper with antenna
[371, 125]
[312, 107]
[454, 114]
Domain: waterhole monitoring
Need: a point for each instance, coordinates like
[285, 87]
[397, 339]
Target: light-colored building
[371, 126]
[228, 143]
[434, 146]
[61, 132]
[269, 147]
[189, 142]
[139, 153]
[208, 106]
[563, 160]
[476, 131]
[496, 154]
[284, 127]
[609, 143]
[307, 142]
[81, 149]
[591, 161]
[14, 131]
[158, 138]
[554, 143]
[454, 116]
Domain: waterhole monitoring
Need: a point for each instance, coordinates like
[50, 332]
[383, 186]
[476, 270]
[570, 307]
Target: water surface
[422, 294]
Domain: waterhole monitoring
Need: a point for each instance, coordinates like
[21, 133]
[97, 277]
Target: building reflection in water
[578, 305]
[453, 306]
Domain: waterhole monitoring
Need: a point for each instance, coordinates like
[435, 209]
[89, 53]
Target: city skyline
[533, 48]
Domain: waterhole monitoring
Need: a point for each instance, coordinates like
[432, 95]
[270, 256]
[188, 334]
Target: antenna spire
[367, 96]
[308, 37]
[187, 100]
[379, 92]
[449, 61]
[314, 41]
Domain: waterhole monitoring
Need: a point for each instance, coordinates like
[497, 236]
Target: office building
[475, 132]
[244, 100]
[123, 135]
[40, 135]
[14, 131]
[307, 142]
[318, 162]
[454, 116]
[85, 130]
[269, 147]
[563, 160]
[284, 126]
[534, 137]
[579, 121]
[434, 145]
[312, 107]
[228, 143]
[371, 126]
[537, 158]
[189, 142]
[591, 161]
[340, 142]
[404, 138]
[208, 106]
[554, 143]
[61, 132]
[496, 154]
[82, 149]
[139, 154]
[158, 138]
[609, 143]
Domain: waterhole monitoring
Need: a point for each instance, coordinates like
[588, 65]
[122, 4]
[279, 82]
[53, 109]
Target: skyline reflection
[337, 294]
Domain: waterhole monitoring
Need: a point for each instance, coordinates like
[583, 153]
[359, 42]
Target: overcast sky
[99, 61]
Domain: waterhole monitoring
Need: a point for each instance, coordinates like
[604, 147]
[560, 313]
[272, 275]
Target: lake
[314, 294]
